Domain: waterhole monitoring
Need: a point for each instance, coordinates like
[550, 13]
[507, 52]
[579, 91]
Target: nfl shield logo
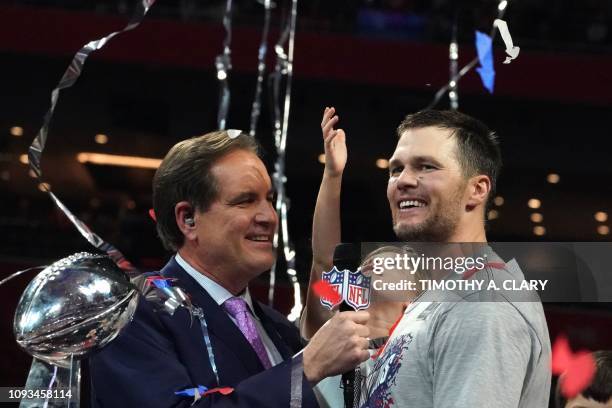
[336, 279]
[358, 290]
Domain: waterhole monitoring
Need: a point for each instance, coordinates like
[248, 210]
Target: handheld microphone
[347, 256]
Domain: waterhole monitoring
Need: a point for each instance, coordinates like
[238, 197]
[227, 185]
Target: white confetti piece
[233, 133]
[511, 50]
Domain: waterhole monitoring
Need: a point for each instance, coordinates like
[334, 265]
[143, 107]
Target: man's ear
[185, 217]
[479, 188]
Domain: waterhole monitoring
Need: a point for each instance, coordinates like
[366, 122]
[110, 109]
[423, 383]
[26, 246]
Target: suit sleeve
[141, 368]
[481, 351]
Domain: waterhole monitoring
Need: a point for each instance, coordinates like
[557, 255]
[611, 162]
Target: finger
[327, 114]
[337, 134]
[324, 119]
[362, 330]
[341, 135]
[360, 317]
[330, 125]
[329, 137]
[363, 343]
[324, 116]
[364, 355]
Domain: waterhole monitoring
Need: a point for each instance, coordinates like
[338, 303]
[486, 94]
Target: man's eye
[426, 167]
[244, 200]
[394, 171]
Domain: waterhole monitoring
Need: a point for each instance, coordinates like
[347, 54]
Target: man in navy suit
[212, 197]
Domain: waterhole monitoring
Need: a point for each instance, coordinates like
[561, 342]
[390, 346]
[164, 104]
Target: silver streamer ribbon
[261, 68]
[38, 145]
[284, 68]
[21, 272]
[160, 291]
[211, 357]
[223, 63]
[454, 80]
[297, 369]
[453, 57]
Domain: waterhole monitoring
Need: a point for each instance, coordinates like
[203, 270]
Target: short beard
[439, 227]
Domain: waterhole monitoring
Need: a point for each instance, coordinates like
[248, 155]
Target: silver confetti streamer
[453, 57]
[223, 63]
[501, 10]
[38, 145]
[209, 350]
[297, 372]
[169, 298]
[284, 68]
[261, 68]
[19, 273]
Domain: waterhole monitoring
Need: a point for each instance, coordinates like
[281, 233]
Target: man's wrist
[310, 370]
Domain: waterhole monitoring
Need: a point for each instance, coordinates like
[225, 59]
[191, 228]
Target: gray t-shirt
[482, 350]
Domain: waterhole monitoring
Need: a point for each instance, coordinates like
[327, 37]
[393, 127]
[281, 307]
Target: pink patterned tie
[239, 310]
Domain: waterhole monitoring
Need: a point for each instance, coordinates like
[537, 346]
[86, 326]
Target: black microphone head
[347, 256]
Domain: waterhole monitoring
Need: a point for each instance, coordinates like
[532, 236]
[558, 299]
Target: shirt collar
[216, 291]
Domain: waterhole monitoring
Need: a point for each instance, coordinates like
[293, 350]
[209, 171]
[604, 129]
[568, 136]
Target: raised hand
[334, 141]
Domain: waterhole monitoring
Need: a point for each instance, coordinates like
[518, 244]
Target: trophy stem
[63, 383]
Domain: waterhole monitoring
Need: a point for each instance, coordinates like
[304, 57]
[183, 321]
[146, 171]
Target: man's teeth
[411, 203]
[260, 238]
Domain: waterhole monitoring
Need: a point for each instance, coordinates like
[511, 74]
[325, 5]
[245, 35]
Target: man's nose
[266, 214]
[407, 179]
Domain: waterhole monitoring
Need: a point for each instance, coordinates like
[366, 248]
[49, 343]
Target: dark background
[375, 61]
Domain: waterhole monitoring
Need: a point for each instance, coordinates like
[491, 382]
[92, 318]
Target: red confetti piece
[220, 390]
[578, 368]
[326, 291]
[152, 214]
[561, 355]
[150, 279]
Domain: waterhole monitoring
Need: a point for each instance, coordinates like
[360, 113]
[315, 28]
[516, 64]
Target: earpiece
[189, 221]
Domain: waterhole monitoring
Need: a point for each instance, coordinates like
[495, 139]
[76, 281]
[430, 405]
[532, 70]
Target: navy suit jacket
[158, 354]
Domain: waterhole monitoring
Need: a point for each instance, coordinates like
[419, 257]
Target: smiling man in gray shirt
[482, 350]
[474, 349]
[478, 348]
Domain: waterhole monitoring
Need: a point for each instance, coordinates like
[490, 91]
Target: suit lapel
[219, 324]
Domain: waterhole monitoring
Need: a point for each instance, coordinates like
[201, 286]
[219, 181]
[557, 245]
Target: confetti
[233, 133]
[223, 64]
[326, 291]
[261, 68]
[577, 370]
[220, 390]
[191, 392]
[283, 74]
[511, 50]
[484, 48]
[201, 391]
